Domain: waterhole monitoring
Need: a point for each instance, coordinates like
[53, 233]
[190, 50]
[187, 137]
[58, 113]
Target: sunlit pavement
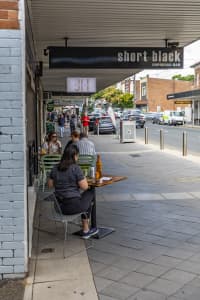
[155, 251]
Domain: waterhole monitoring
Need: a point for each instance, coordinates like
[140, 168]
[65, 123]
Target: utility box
[127, 131]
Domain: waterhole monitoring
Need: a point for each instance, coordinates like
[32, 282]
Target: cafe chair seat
[56, 215]
[86, 162]
[47, 162]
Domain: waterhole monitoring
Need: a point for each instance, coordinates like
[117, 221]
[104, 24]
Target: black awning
[186, 94]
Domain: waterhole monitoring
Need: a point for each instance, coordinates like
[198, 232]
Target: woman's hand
[83, 184]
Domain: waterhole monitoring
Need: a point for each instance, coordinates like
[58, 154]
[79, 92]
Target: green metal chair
[47, 162]
[86, 162]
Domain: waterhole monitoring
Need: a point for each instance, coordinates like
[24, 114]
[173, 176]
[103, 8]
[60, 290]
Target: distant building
[127, 85]
[192, 93]
[151, 94]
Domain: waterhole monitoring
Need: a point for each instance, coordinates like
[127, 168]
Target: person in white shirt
[86, 147]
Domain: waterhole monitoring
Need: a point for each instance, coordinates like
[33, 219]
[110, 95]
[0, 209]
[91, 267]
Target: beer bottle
[98, 167]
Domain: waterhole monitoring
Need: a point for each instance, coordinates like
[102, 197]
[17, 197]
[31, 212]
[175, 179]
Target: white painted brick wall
[12, 251]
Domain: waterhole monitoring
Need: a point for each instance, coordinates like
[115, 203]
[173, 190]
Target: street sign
[115, 58]
[183, 102]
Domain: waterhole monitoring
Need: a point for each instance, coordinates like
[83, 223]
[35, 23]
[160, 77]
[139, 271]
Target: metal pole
[98, 128]
[161, 139]
[146, 135]
[184, 146]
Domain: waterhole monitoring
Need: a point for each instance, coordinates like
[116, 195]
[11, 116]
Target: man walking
[61, 123]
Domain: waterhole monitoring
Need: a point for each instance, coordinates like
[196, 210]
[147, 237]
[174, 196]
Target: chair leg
[44, 181]
[65, 238]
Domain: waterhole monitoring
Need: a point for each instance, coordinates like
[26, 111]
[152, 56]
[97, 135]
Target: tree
[116, 97]
[184, 78]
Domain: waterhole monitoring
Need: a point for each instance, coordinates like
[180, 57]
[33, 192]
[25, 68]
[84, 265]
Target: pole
[146, 136]
[184, 146]
[161, 139]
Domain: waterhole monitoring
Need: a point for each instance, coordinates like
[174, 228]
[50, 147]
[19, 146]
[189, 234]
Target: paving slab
[164, 286]
[179, 276]
[147, 295]
[112, 273]
[119, 291]
[137, 279]
[102, 283]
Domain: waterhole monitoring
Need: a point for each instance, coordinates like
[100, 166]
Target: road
[173, 136]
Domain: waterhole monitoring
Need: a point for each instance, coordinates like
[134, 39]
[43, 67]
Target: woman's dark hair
[50, 135]
[68, 157]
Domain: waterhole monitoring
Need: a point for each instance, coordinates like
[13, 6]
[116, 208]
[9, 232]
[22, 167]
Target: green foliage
[116, 97]
[184, 78]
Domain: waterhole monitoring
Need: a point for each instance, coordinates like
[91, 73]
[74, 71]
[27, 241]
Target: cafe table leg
[103, 231]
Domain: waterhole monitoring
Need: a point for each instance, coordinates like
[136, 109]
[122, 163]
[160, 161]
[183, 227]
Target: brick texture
[9, 14]
[12, 175]
[157, 90]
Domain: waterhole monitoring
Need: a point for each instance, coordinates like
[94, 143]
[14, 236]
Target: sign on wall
[81, 85]
[50, 106]
[115, 58]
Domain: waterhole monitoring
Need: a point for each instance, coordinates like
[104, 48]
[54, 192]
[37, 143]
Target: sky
[191, 56]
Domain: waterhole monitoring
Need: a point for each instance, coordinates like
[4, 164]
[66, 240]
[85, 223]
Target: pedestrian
[85, 122]
[61, 123]
[72, 123]
[75, 136]
[67, 178]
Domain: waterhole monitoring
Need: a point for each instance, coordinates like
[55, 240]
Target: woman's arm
[50, 183]
[83, 184]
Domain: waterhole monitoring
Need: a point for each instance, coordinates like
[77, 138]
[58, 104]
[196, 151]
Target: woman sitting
[53, 145]
[67, 178]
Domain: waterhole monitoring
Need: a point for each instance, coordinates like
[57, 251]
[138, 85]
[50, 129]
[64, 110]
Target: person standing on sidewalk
[75, 136]
[85, 123]
[72, 123]
[61, 123]
[67, 178]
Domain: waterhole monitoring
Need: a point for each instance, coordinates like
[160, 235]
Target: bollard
[184, 146]
[161, 139]
[98, 129]
[146, 138]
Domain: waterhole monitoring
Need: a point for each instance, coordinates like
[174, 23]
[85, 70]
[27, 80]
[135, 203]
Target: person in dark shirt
[72, 123]
[75, 136]
[61, 123]
[67, 178]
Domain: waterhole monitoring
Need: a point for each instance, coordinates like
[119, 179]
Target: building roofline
[195, 65]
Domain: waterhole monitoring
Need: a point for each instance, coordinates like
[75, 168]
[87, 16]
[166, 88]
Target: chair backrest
[50, 160]
[86, 162]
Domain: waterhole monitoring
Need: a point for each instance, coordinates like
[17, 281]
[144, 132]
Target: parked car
[150, 116]
[105, 125]
[137, 117]
[158, 118]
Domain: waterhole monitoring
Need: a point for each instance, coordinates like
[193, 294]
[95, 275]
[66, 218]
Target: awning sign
[115, 58]
[81, 85]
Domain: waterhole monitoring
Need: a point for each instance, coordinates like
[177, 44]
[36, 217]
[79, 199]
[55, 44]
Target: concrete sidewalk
[154, 254]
